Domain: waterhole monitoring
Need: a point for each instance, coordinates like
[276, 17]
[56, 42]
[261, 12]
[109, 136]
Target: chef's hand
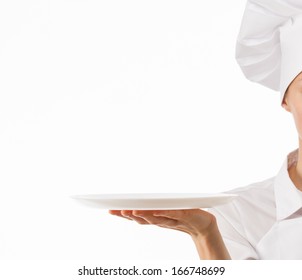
[193, 221]
[199, 224]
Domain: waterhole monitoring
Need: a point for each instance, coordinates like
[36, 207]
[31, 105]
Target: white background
[123, 96]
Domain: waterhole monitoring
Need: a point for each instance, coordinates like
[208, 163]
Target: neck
[295, 171]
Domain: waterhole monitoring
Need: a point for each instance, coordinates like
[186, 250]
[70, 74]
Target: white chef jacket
[265, 221]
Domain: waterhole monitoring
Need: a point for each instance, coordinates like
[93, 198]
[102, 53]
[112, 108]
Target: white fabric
[269, 43]
[265, 221]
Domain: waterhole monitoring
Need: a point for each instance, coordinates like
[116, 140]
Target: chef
[265, 221]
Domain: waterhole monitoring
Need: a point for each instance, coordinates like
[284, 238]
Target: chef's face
[292, 102]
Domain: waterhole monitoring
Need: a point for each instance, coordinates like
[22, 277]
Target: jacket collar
[288, 197]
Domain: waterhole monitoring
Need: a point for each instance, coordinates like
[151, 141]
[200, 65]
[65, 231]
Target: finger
[149, 217]
[147, 214]
[115, 212]
[118, 213]
[180, 215]
[129, 214]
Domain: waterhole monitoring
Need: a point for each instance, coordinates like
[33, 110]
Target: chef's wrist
[207, 233]
[210, 244]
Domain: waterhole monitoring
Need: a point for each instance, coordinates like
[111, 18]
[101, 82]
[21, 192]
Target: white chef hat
[269, 44]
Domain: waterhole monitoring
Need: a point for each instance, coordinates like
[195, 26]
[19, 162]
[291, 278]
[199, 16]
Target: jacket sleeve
[233, 233]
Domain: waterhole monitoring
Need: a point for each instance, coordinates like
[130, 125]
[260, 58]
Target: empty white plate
[153, 201]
